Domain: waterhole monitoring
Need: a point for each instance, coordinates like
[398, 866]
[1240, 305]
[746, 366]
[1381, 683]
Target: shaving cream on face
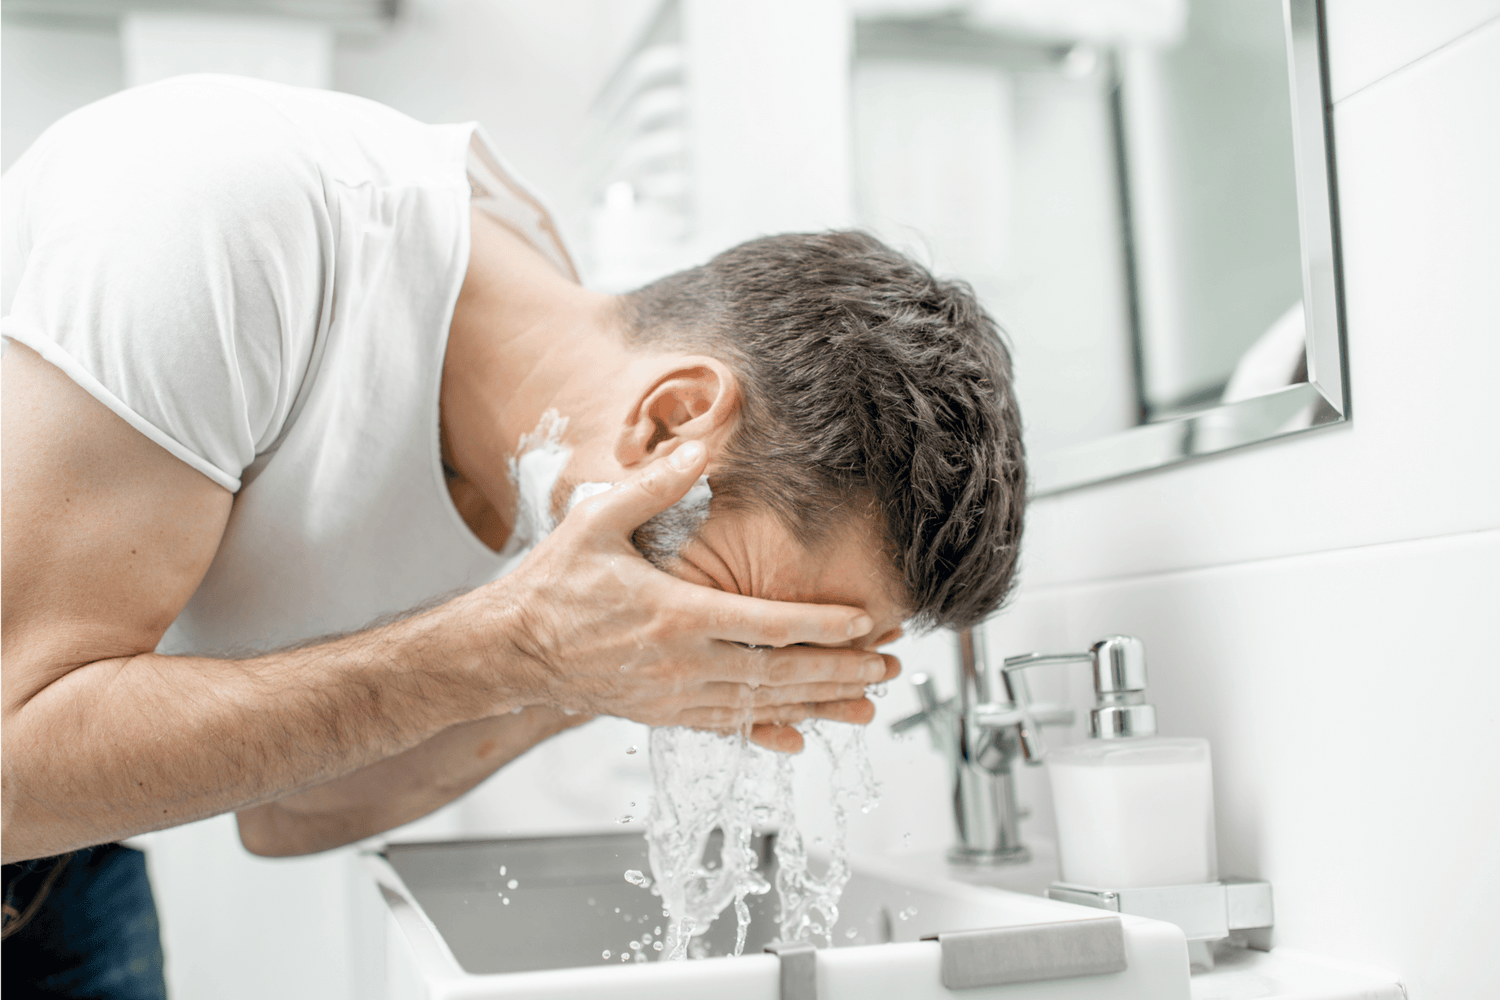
[583, 491]
[540, 460]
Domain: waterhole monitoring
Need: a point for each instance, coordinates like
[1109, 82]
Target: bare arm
[398, 789]
[106, 536]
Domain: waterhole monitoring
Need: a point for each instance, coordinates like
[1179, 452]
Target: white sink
[433, 923]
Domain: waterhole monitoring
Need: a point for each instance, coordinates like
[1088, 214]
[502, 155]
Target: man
[273, 356]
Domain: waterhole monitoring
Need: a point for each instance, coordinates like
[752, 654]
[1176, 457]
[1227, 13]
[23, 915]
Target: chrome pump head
[1120, 710]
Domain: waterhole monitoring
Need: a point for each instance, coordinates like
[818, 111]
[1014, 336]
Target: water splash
[706, 783]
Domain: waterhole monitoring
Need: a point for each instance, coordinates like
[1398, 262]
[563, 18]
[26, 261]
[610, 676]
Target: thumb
[650, 491]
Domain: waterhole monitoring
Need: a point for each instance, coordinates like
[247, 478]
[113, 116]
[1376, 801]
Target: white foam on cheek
[583, 491]
[537, 473]
[540, 459]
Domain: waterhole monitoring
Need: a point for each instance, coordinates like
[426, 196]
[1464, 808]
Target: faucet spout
[979, 737]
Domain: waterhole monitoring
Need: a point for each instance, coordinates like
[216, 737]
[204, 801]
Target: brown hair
[867, 385]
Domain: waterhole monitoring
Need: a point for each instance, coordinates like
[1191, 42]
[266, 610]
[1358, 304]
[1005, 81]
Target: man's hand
[605, 632]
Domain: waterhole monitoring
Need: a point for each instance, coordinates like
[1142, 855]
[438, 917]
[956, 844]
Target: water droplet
[908, 913]
[629, 749]
[656, 946]
[635, 946]
[617, 909]
[851, 933]
[624, 957]
[606, 954]
[657, 931]
[512, 884]
[505, 900]
[634, 877]
[502, 869]
[625, 819]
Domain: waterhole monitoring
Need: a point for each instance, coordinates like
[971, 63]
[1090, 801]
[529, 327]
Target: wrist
[484, 647]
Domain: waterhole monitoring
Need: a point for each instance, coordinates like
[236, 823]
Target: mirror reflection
[1139, 193]
[1125, 199]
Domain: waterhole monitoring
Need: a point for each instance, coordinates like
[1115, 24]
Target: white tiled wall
[1323, 608]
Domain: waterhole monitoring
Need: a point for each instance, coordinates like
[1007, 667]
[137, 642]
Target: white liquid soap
[1136, 812]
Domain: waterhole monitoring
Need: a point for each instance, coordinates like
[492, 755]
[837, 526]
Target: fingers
[649, 492]
[783, 739]
[859, 711]
[744, 697]
[773, 728]
[734, 718]
[757, 622]
[807, 665]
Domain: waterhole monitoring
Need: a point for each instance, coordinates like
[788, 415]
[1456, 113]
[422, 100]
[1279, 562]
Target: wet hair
[870, 388]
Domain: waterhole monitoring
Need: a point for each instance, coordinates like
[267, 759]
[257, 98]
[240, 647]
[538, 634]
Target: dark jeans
[95, 933]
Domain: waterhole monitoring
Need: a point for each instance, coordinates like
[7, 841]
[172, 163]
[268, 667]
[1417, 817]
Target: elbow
[268, 832]
[271, 831]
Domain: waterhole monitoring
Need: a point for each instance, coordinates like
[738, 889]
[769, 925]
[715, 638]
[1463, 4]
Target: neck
[522, 335]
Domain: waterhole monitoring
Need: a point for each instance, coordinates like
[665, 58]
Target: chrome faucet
[981, 738]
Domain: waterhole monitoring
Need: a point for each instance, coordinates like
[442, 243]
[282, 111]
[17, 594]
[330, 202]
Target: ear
[692, 399]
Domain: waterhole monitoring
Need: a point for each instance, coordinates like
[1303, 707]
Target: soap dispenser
[1133, 808]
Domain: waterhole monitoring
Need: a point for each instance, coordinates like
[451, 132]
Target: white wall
[46, 73]
[1322, 608]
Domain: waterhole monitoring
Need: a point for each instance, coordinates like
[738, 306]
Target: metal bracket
[1031, 952]
[1206, 912]
[799, 969]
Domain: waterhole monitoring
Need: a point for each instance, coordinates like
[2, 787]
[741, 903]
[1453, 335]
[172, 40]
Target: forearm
[399, 789]
[122, 746]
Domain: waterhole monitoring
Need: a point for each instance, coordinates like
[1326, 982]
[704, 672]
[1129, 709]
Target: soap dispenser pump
[1133, 808]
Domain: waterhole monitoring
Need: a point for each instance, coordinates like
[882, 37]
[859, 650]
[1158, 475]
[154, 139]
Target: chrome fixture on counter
[981, 739]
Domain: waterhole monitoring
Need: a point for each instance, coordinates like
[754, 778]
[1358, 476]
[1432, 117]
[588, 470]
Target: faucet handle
[933, 714]
[1028, 722]
[994, 716]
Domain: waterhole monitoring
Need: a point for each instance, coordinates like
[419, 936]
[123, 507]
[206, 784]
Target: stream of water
[703, 782]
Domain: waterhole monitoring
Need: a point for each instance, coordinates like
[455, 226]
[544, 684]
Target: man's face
[752, 553]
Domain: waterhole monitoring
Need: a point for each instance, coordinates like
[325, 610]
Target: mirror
[1142, 196]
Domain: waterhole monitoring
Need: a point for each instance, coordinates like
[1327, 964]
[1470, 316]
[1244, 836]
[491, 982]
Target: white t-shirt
[260, 279]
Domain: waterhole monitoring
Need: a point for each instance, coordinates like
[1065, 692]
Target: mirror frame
[1262, 418]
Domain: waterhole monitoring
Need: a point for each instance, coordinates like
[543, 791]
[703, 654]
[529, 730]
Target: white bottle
[1133, 809]
[1134, 812]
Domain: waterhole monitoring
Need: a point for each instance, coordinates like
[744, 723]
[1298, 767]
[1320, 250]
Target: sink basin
[534, 918]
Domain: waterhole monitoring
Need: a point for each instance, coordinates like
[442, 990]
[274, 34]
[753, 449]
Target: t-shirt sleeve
[169, 249]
